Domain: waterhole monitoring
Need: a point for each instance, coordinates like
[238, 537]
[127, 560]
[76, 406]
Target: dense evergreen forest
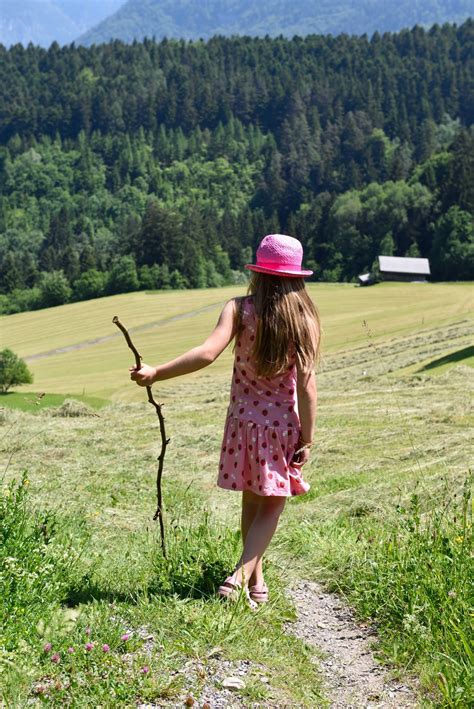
[161, 165]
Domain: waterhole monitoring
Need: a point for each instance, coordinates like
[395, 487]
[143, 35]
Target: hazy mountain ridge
[190, 20]
[45, 21]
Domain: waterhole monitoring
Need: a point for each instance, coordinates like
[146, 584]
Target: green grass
[411, 573]
[37, 401]
[392, 445]
[84, 625]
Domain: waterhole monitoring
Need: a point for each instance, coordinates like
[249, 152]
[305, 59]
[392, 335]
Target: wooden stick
[164, 440]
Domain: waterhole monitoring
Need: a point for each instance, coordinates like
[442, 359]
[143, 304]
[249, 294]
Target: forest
[162, 164]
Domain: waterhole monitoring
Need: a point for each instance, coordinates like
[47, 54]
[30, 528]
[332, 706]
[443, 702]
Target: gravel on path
[352, 676]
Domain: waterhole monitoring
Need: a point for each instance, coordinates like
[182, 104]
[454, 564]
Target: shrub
[91, 284]
[123, 276]
[20, 300]
[54, 288]
[4, 304]
[13, 371]
[178, 281]
[154, 277]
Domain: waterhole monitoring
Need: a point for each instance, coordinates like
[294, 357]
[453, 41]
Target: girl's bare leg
[250, 507]
[258, 537]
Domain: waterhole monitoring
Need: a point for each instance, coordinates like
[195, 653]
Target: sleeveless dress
[262, 426]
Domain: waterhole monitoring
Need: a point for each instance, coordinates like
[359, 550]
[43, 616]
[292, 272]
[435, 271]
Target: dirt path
[352, 676]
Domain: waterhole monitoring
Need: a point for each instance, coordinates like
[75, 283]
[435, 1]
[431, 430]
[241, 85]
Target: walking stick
[164, 441]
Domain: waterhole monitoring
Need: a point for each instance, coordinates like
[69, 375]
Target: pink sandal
[259, 594]
[231, 590]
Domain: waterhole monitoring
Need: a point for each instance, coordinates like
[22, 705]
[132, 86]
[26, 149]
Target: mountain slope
[191, 20]
[45, 21]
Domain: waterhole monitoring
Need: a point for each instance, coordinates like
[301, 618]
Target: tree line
[161, 165]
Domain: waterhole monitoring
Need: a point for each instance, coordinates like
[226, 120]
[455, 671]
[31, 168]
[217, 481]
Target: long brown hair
[288, 324]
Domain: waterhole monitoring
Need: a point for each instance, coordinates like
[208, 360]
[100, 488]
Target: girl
[270, 420]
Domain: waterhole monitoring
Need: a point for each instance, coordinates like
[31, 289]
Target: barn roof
[404, 264]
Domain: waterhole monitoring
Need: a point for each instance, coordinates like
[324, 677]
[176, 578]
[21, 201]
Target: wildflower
[452, 593]
[26, 482]
[47, 647]
[70, 650]
[87, 631]
[459, 539]
[125, 637]
[89, 646]
[56, 658]
[105, 647]
[145, 670]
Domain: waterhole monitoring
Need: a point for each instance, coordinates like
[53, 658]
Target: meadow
[387, 522]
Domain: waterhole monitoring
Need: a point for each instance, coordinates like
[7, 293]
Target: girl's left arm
[193, 359]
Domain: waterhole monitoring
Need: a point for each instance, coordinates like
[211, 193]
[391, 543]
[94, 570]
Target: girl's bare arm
[193, 359]
[307, 403]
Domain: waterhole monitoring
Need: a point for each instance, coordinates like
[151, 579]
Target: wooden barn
[403, 268]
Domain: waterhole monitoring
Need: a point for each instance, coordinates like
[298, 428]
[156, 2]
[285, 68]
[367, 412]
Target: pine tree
[158, 240]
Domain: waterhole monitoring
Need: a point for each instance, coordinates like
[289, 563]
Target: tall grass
[415, 579]
[39, 553]
[73, 633]
[413, 575]
[39, 565]
[199, 559]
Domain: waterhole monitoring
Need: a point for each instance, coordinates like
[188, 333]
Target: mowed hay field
[92, 358]
[387, 521]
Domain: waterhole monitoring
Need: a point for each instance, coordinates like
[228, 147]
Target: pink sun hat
[279, 255]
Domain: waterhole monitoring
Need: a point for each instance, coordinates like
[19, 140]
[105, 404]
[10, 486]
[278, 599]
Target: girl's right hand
[145, 376]
[299, 459]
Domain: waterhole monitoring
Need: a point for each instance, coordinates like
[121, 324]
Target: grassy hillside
[94, 357]
[383, 523]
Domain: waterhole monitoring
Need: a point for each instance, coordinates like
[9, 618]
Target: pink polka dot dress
[262, 427]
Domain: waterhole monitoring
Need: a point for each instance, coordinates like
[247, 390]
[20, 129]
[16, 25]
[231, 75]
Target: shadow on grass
[201, 585]
[199, 558]
[94, 592]
[457, 356]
